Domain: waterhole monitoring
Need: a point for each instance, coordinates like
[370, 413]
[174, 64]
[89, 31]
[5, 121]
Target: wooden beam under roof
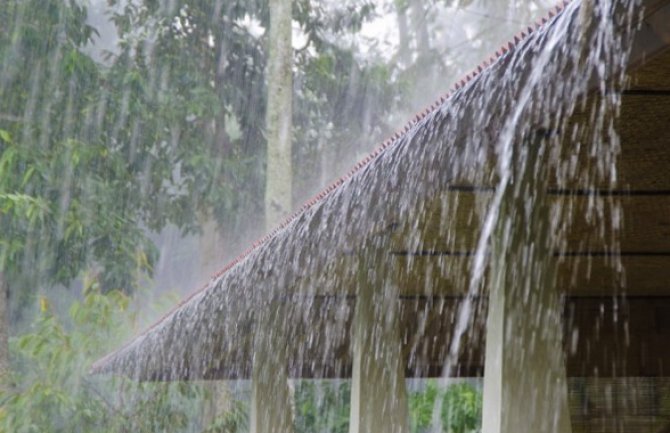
[603, 337]
[433, 251]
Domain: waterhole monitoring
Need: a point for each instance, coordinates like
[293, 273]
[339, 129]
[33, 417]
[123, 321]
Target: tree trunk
[278, 195]
[420, 27]
[271, 400]
[403, 36]
[212, 254]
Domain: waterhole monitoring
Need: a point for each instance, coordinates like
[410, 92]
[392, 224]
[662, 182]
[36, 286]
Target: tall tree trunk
[278, 195]
[420, 27]
[403, 35]
[271, 398]
[218, 401]
[4, 330]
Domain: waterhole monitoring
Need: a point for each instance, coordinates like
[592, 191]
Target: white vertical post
[525, 386]
[378, 389]
[271, 396]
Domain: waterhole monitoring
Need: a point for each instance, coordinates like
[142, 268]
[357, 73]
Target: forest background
[133, 164]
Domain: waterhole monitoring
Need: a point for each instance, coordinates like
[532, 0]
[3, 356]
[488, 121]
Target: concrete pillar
[525, 386]
[378, 390]
[271, 395]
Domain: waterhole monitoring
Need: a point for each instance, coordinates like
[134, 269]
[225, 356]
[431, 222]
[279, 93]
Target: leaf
[5, 136]
[44, 304]
[27, 175]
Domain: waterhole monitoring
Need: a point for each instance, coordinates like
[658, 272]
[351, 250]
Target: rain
[361, 216]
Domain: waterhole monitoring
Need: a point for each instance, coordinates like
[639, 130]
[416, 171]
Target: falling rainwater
[498, 198]
[528, 95]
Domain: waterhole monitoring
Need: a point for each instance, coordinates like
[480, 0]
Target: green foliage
[234, 421]
[201, 89]
[67, 194]
[459, 405]
[421, 407]
[168, 131]
[462, 409]
[321, 406]
[53, 392]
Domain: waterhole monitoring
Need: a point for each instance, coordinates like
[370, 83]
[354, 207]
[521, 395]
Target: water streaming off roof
[516, 231]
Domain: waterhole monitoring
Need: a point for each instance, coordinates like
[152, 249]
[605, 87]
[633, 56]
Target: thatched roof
[415, 204]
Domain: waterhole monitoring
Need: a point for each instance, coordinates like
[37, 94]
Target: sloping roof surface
[207, 334]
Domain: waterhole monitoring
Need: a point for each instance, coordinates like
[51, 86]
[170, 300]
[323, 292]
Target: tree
[279, 113]
[462, 409]
[322, 406]
[54, 392]
[421, 405]
[192, 76]
[169, 131]
[60, 209]
[200, 67]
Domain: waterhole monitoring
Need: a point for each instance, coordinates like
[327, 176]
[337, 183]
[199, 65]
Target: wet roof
[207, 335]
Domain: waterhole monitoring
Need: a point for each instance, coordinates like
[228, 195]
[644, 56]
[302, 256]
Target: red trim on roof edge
[393, 139]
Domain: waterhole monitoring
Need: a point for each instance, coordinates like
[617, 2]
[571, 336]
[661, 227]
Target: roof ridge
[358, 167]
